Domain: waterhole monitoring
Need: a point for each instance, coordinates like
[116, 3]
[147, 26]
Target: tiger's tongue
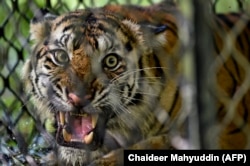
[77, 127]
[80, 126]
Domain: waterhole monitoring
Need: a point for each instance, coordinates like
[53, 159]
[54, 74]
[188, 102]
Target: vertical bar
[203, 57]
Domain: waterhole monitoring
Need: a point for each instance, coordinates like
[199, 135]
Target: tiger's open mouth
[76, 130]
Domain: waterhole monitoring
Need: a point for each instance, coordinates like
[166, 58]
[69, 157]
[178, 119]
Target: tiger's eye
[61, 56]
[111, 62]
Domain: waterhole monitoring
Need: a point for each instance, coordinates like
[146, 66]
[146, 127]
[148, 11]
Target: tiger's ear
[134, 29]
[161, 37]
[40, 25]
[155, 36]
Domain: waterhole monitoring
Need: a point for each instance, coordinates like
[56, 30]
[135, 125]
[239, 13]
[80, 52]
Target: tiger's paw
[114, 158]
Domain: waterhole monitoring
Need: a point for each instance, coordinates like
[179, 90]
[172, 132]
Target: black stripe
[77, 43]
[140, 64]
[56, 94]
[128, 46]
[245, 37]
[51, 92]
[59, 88]
[35, 59]
[226, 20]
[234, 88]
[174, 29]
[37, 88]
[174, 103]
[244, 103]
[246, 34]
[136, 99]
[43, 74]
[49, 60]
[216, 48]
[246, 113]
[130, 89]
[71, 26]
[58, 43]
[126, 32]
[234, 80]
[248, 24]
[51, 106]
[33, 90]
[236, 66]
[47, 67]
[38, 53]
[64, 39]
[240, 42]
[227, 69]
[221, 109]
[66, 18]
[158, 71]
[103, 95]
[56, 80]
[96, 44]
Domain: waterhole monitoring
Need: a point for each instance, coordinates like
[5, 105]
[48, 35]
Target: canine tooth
[66, 135]
[88, 138]
[94, 120]
[62, 118]
[66, 117]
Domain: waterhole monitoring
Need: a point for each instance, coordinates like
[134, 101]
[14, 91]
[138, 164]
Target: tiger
[108, 79]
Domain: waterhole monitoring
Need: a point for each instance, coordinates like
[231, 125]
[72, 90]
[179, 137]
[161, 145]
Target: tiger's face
[95, 75]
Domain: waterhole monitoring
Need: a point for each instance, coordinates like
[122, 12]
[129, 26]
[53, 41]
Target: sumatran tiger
[108, 79]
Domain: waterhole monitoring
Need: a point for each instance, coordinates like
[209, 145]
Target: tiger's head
[98, 77]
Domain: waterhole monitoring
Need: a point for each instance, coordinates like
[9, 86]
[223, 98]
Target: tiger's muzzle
[80, 128]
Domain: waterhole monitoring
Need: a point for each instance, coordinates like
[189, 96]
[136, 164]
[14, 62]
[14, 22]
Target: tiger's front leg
[116, 157]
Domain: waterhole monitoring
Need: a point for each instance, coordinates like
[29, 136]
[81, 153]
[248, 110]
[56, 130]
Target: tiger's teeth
[62, 118]
[66, 136]
[94, 120]
[88, 138]
[84, 115]
[66, 118]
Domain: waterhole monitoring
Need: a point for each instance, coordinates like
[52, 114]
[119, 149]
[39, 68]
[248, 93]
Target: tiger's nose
[79, 101]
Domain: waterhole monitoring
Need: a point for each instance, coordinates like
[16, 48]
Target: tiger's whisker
[140, 92]
[134, 71]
